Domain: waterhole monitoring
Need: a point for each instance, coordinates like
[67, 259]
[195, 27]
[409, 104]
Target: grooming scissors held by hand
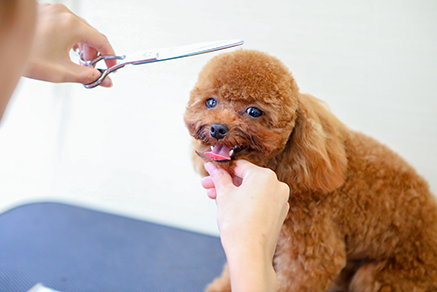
[155, 55]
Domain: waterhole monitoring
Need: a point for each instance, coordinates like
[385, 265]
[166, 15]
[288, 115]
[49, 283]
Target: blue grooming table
[73, 249]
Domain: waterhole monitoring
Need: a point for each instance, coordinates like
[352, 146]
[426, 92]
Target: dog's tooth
[231, 153]
[212, 147]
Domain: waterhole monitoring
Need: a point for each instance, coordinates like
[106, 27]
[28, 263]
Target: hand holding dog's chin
[250, 212]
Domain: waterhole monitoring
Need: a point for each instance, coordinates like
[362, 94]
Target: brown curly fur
[361, 219]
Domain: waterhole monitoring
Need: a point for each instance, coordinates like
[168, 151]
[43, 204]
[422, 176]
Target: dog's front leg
[309, 257]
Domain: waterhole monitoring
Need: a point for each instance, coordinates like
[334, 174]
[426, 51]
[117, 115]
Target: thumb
[222, 179]
[243, 168]
[86, 75]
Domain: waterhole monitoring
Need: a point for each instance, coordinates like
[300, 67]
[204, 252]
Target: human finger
[98, 41]
[85, 75]
[207, 182]
[212, 193]
[222, 179]
[88, 53]
[109, 63]
[243, 167]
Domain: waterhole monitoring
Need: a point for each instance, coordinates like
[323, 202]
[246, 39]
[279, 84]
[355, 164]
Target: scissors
[155, 55]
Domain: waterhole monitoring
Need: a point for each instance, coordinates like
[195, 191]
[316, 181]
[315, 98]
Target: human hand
[58, 30]
[251, 210]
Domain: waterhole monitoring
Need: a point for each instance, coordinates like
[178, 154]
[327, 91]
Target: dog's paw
[219, 285]
[364, 280]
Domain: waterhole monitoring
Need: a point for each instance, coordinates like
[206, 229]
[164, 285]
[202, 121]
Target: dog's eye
[254, 112]
[210, 103]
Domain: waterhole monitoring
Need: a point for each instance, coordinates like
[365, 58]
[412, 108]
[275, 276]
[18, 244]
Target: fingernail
[210, 168]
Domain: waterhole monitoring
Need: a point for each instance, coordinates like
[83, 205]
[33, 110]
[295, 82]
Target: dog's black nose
[218, 131]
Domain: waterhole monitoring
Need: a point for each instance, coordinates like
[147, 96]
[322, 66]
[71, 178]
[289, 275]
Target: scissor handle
[114, 68]
[104, 72]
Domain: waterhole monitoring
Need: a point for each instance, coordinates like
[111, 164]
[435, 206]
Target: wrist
[251, 268]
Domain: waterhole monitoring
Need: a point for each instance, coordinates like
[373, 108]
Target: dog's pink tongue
[219, 152]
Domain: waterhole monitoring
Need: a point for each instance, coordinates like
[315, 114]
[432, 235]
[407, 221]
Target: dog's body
[360, 217]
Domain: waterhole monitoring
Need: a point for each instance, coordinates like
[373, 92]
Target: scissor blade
[196, 49]
[178, 52]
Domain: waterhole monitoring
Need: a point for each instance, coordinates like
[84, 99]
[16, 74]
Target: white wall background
[125, 150]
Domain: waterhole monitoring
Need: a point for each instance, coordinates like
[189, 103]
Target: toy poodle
[361, 219]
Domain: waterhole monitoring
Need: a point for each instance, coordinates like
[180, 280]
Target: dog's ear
[315, 150]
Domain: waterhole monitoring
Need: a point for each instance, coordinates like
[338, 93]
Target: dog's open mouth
[220, 152]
